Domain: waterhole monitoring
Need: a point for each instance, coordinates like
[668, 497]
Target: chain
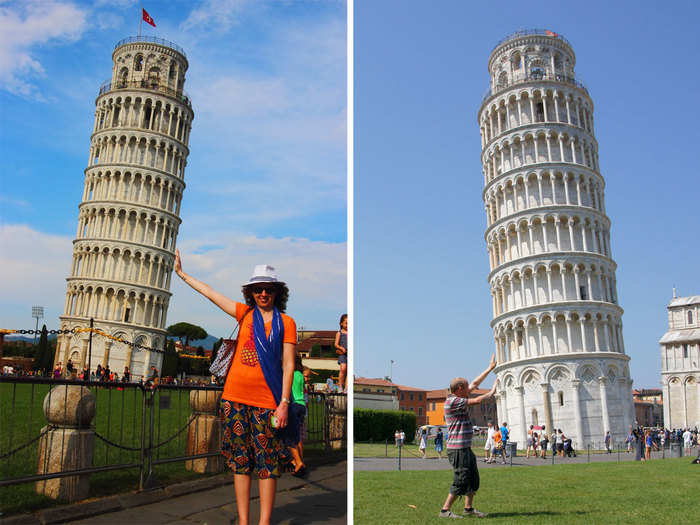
[83, 330]
[112, 443]
[176, 433]
[135, 449]
[21, 447]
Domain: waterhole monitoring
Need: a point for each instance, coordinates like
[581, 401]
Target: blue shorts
[343, 359]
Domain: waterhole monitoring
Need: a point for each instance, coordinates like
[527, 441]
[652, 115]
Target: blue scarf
[269, 350]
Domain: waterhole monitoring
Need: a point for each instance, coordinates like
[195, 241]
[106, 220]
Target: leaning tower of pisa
[556, 322]
[128, 216]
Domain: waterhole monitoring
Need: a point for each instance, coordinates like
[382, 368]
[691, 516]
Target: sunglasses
[270, 289]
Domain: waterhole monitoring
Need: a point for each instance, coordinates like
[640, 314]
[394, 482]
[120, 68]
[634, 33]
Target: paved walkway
[319, 498]
[413, 463]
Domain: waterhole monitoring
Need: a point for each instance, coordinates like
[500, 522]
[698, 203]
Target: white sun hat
[263, 273]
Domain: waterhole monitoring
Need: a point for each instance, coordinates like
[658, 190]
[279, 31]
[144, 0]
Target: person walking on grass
[423, 443]
[608, 440]
[459, 440]
[490, 445]
[439, 442]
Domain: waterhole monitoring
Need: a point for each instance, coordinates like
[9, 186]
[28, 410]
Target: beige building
[128, 218]
[680, 363]
[378, 394]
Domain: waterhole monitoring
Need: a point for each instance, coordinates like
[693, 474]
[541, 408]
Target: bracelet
[284, 399]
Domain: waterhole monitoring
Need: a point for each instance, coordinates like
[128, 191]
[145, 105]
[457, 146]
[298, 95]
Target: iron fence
[152, 39]
[135, 426]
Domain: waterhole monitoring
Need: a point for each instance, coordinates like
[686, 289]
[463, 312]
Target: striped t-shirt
[459, 425]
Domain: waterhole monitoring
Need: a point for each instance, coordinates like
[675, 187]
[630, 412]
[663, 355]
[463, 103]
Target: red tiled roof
[409, 388]
[436, 394]
[443, 393]
[372, 381]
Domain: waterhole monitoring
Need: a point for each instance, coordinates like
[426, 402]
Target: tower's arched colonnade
[128, 219]
[556, 321]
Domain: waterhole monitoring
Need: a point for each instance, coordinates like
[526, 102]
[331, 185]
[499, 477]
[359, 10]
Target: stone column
[626, 416]
[603, 383]
[67, 442]
[575, 385]
[547, 406]
[204, 433]
[83, 354]
[523, 427]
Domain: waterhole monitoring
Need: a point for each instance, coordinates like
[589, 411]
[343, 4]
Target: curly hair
[281, 295]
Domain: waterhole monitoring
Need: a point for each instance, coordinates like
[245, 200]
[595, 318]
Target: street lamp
[37, 313]
[391, 370]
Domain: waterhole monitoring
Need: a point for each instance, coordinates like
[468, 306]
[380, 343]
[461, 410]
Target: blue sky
[421, 296]
[266, 176]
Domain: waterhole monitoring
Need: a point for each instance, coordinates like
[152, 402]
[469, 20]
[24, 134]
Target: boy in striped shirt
[459, 441]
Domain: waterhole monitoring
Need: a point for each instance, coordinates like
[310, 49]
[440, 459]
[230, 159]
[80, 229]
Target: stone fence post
[337, 414]
[67, 442]
[204, 433]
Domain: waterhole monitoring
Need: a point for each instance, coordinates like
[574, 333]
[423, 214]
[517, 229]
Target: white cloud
[214, 15]
[35, 266]
[24, 27]
[276, 128]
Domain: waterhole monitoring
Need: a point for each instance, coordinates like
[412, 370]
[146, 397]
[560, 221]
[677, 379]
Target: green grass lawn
[659, 492]
[119, 419]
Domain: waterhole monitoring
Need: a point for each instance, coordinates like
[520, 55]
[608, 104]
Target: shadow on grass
[538, 513]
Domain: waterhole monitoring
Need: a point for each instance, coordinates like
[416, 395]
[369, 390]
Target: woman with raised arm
[258, 387]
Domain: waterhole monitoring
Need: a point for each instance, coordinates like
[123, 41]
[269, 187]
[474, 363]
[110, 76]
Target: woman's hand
[493, 390]
[492, 364]
[178, 263]
[281, 414]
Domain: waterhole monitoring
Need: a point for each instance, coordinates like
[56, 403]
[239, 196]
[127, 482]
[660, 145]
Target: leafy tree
[43, 357]
[187, 332]
[170, 360]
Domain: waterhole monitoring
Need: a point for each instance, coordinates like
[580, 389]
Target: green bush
[378, 425]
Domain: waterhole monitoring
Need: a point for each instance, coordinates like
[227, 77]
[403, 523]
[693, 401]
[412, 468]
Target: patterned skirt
[250, 443]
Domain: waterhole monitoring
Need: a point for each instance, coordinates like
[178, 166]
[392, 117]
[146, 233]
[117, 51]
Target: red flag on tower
[547, 31]
[147, 18]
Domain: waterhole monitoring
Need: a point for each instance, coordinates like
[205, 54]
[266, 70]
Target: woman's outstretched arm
[220, 300]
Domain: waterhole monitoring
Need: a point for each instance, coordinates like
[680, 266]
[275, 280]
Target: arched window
[138, 63]
[536, 70]
[561, 398]
[154, 76]
[171, 73]
[515, 61]
[123, 76]
[502, 79]
[690, 317]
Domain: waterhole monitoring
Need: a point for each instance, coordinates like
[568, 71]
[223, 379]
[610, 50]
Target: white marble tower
[680, 363]
[128, 217]
[556, 322]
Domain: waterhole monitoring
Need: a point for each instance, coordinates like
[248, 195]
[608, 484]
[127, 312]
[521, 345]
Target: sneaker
[475, 513]
[449, 514]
